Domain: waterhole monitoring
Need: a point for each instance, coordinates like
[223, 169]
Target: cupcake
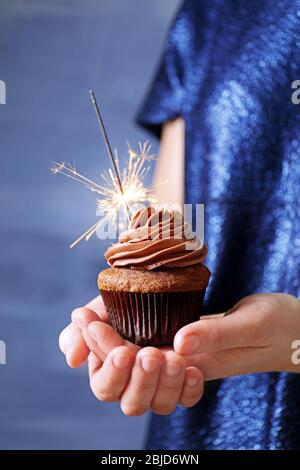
[156, 282]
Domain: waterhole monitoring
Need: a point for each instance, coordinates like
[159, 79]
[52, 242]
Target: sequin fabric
[227, 68]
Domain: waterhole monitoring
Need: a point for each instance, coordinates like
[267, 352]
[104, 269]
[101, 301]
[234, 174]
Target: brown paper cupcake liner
[152, 319]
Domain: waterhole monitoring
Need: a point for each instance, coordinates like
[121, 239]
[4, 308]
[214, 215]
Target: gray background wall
[51, 53]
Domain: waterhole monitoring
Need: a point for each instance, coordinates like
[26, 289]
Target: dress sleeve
[165, 98]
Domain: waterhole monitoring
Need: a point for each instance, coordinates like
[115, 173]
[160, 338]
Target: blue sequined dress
[227, 69]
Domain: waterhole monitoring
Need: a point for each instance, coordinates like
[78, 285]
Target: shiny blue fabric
[227, 69]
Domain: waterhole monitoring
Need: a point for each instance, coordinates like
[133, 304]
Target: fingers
[71, 340]
[98, 307]
[193, 387]
[138, 395]
[109, 380]
[92, 311]
[203, 335]
[101, 338]
[222, 364]
[232, 362]
[150, 379]
[94, 364]
[245, 326]
[170, 384]
[73, 345]
[83, 316]
[214, 316]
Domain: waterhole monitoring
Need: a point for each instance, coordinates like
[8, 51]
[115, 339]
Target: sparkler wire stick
[108, 147]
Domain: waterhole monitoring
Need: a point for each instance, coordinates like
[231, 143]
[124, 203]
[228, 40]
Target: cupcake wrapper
[152, 319]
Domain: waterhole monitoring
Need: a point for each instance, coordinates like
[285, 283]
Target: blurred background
[51, 53]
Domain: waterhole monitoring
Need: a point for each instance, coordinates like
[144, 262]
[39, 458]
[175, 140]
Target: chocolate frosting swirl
[156, 238]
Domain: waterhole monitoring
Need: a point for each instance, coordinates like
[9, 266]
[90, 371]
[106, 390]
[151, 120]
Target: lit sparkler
[119, 190]
[113, 200]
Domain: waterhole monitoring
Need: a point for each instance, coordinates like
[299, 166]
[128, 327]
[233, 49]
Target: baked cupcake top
[191, 279]
[156, 238]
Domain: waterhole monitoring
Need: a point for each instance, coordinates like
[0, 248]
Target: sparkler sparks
[113, 201]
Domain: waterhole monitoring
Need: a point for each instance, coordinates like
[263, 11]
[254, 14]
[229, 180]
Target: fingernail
[192, 381]
[172, 369]
[121, 361]
[150, 364]
[189, 344]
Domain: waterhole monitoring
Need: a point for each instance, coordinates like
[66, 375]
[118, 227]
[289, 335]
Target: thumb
[216, 333]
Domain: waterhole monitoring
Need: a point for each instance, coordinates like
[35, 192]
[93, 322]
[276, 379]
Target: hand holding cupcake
[154, 287]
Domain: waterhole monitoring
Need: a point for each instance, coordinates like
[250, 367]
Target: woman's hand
[256, 336]
[141, 379]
